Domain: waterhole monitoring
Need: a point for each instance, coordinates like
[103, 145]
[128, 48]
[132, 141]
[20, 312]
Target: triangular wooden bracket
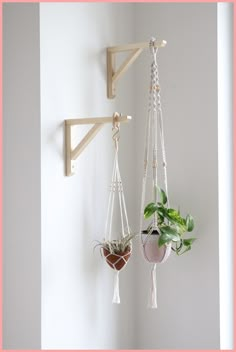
[114, 74]
[98, 122]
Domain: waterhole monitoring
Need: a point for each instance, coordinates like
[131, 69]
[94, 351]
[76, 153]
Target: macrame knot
[153, 49]
[155, 87]
[152, 44]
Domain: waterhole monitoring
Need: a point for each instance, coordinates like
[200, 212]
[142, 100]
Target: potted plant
[166, 231]
[117, 252]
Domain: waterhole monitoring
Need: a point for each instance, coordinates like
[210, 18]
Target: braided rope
[154, 115]
[116, 185]
[110, 207]
[116, 261]
[162, 139]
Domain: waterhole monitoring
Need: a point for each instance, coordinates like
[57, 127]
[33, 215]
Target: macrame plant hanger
[116, 261]
[154, 124]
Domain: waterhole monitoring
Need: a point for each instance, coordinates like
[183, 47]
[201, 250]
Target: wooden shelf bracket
[114, 74]
[98, 122]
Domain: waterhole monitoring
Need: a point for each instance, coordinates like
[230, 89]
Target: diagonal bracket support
[71, 154]
[114, 74]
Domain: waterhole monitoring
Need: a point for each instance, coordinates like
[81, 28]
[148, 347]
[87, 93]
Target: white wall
[225, 169]
[21, 177]
[188, 294]
[77, 286]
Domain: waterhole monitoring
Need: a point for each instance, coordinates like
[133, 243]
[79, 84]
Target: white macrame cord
[116, 187]
[154, 122]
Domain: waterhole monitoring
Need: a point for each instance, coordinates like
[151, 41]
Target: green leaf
[174, 216]
[168, 230]
[188, 245]
[161, 211]
[150, 209]
[160, 219]
[186, 250]
[189, 223]
[167, 238]
[188, 241]
[163, 196]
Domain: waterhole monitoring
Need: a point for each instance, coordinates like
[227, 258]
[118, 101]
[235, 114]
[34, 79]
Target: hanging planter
[152, 252]
[116, 252]
[167, 227]
[171, 226]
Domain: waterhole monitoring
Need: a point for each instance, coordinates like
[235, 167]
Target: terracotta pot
[116, 261]
[152, 252]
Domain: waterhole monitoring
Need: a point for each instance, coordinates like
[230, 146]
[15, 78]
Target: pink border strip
[234, 157]
[1, 175]
[172, 1]
[234, 151]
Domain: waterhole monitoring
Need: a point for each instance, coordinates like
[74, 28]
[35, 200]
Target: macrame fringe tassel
[153, 291]
[116, 295]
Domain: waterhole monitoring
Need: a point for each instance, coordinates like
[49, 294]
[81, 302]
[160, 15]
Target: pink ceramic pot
[152, 252]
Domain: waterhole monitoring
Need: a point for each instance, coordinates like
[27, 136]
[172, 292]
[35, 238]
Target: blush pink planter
[152, 252]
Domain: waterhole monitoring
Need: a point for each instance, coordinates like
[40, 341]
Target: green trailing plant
[171, 226]
[117, 246]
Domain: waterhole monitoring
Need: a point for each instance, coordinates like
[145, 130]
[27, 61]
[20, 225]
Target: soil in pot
[152, 252]
[117, 261]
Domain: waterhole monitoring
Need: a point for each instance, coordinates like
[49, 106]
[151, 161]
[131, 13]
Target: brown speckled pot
[117, 261]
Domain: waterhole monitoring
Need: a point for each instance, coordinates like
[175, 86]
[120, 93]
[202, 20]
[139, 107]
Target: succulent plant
[117, 246]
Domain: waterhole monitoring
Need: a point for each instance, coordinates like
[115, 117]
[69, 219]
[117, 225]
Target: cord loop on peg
[116, 129]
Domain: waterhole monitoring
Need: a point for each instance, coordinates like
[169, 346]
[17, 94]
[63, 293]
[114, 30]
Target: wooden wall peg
[98, 123]
[114, 74]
